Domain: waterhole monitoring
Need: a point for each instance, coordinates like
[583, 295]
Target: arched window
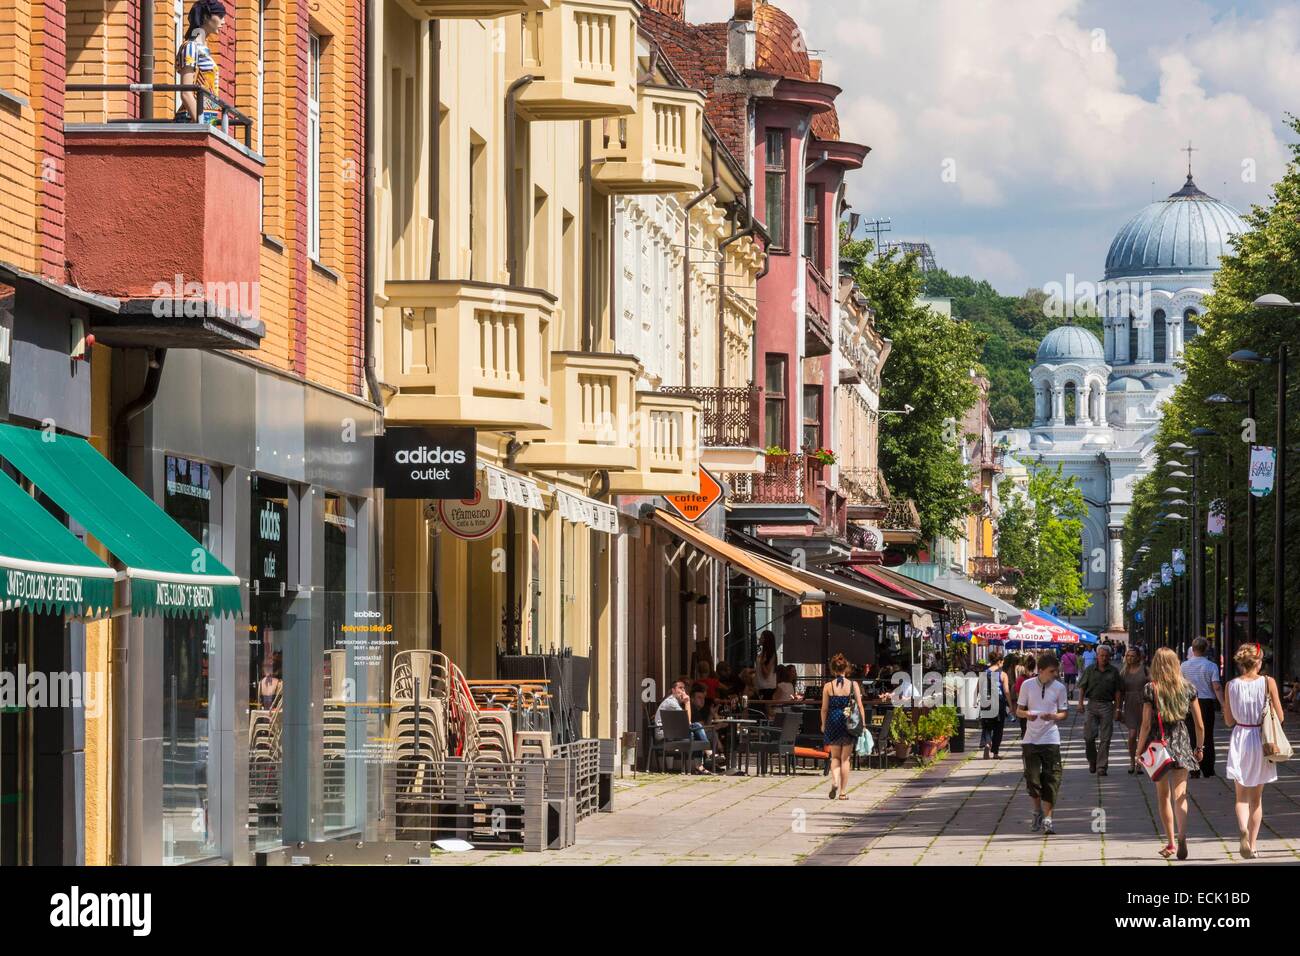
[1132, 339]
[1071, 404]
[1190, 328]
[1159, 337]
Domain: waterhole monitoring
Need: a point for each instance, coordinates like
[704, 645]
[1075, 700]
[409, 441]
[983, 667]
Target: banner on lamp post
[1216, 522]
[1166, 574]
[1179, 561]
[1263, 466]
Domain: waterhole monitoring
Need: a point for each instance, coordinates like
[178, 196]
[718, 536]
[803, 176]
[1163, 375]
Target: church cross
[1189, 150]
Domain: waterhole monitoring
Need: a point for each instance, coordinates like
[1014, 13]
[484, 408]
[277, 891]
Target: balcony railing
[468, 352]
[729, 417]
[594, 402]
[861, 486]
[655, 150]
[986, 570]
[229, 117]
[474, 9]
[787, 479]
[817, 337]
[901, 515]
[581, 55]
[666, 437]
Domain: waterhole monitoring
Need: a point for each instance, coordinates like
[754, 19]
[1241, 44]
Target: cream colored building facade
[508, 139]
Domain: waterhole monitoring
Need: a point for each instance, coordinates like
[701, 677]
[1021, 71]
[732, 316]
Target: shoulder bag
[853, 725]
[1156, 760]
[1277, 749]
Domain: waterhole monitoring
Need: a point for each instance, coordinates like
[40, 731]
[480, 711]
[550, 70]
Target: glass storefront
[191, 497]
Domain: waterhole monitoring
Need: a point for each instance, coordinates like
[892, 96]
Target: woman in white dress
[1247, 768]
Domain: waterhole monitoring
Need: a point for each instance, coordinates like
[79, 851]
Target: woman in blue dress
[840, 697]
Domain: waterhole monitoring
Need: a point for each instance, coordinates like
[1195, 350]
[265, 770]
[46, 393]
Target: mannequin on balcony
[195, 64]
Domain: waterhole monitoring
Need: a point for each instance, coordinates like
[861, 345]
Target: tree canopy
[1039, 534]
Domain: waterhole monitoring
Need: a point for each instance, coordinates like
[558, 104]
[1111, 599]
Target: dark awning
[170, 573]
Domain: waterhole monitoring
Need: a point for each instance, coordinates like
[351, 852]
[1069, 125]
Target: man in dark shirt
[1099, 691]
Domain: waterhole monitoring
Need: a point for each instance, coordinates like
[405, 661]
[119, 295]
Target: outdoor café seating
[677, 740]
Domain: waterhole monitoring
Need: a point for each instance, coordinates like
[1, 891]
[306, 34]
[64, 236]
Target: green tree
[1039, 534]
[929, 368]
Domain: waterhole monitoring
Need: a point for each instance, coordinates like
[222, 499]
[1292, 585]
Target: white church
[1096, 405]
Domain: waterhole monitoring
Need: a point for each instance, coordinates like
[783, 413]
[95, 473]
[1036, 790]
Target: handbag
[1156, 760]
[853, 724]
[1277, 749]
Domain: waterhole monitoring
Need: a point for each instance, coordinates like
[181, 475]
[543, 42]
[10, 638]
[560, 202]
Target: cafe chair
[677, 740]
[776, 741]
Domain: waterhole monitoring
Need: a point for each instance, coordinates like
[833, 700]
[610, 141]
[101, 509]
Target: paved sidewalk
[962, 811]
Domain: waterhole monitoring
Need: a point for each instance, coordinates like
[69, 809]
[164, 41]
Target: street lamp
[1247, 357]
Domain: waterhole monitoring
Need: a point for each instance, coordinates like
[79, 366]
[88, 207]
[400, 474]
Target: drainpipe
[512, 255]
[589, 276]
[146, 61]
[686, 263]
[435, 142]
[368, 268]
[149, 392]
[722, 285]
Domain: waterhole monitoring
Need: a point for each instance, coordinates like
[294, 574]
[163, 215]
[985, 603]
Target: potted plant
[934, 729]
[822, 456]
[902, 732]
[775, 451]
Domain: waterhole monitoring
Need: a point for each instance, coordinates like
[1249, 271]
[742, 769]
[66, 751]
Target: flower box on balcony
[593, 400]
[472, 9]
[656, 149]
[467, 352]
[667, 442]
[581, 55]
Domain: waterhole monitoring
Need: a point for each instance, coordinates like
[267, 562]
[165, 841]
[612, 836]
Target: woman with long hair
[1243, 711]
[195, 65]
[840, 697]
[765, 676]
[1167, 700]
[1132, 681]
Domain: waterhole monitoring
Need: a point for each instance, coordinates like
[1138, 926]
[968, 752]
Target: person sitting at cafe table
[704, 712]
[729, 682]
[785, 685]
[679, 699]
[704, 674]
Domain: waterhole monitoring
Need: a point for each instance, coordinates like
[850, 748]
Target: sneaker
[1037, 823]
[1048, 827]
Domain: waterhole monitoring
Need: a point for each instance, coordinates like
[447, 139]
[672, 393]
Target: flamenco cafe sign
[473, 518]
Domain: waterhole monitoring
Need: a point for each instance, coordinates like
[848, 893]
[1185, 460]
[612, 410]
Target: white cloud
[1029, 99]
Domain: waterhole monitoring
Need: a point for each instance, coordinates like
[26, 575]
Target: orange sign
[693, 507]
[811, 610]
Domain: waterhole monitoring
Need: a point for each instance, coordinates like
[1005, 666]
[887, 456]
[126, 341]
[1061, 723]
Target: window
[1159, 337]
[1190, 328]
[313, 145]
[812, 234]
[1071, 401]
[774, 408]
[774, 186]
[1132, 339]
[812, 417]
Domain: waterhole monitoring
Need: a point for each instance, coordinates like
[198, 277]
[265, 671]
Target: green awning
[169, 572]
[43, 566]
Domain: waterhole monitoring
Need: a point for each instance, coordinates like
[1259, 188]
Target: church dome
[1188, 232]
[1070, 343]
[1126, 385]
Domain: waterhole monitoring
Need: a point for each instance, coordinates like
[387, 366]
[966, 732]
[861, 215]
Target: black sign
[8, 296]
[427, 462]
[270, 537]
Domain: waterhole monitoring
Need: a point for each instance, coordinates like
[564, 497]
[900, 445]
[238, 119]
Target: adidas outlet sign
[427, 462]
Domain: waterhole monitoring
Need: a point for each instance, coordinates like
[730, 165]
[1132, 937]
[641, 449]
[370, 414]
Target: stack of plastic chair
[431, 668]
[533, 744]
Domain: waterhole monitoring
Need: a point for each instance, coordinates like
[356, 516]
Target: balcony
[581, 55]
[817, 330]
[731, 427]
[902, 522]
[656, 149]
[472, 9]
[667, 442]
[785, 480]
[471, 353]
[177, 236]
[593, 401]
[985, 570]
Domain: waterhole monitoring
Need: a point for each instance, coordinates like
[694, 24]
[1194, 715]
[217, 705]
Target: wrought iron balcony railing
[729, 417]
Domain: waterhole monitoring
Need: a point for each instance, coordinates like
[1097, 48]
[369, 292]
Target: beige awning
[845, 592]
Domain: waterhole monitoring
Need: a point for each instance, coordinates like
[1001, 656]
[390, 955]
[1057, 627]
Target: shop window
[192, 497]
[775, 173]
[774, 402]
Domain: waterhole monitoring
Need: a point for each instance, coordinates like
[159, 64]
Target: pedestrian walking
[995, 692]
[1070, 669]
[1167, 701]
[1202, 672]
[841, 697]
[1247, 768]
[1133, 680]
[1043, 703]
[1099, 695]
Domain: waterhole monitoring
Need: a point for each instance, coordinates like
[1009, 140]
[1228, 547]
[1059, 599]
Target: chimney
[744, 10]
[669, 8]
[815, 68]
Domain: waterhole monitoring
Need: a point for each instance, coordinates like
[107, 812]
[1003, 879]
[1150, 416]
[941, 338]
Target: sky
[1018, 136]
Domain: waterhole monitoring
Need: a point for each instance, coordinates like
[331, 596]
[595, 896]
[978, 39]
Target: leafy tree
[929, 368]
[1039, 534]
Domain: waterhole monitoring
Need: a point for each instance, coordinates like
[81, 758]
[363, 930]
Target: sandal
[844, 796]
[834, 790]
[1182, 847]
[1168, 851]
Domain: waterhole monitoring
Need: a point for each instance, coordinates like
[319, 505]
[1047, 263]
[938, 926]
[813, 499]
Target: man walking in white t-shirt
[1043, 703]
